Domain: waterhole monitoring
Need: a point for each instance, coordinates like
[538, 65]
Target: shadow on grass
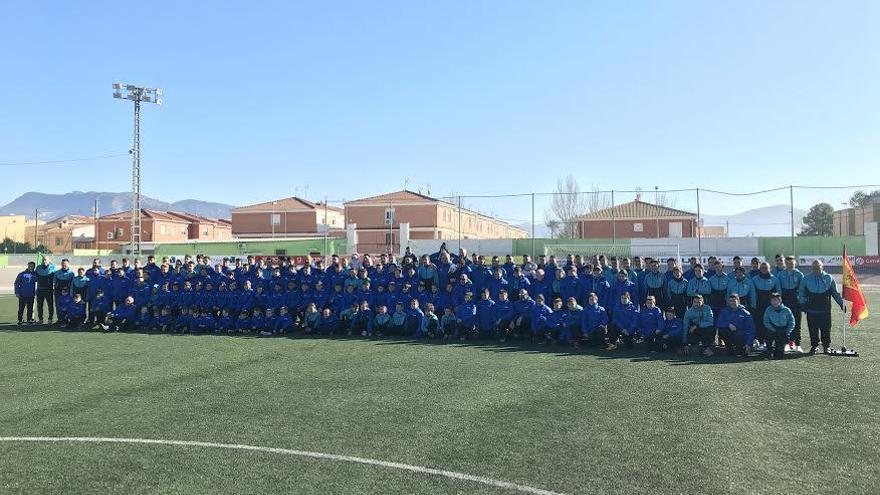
[637, 354]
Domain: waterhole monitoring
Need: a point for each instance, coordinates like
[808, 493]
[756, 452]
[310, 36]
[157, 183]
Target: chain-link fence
[699, 221]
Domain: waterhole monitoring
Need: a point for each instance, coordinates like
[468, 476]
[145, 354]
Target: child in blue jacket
[362, 321]
[594, 326]
[554, 324]
[25, 290]
[736, 327]
[571, 321]
[539, 315]
[624, 322]
[76, 313]
[165, 321]
[465, 317]
[121, 318]
[328, 324]
[398, 319]
[672, 336]
[382, 321]
[63, 305]
[650, 323]
[311, 318]
[779, 322]
[183, 319]
[502, 315]
[699, 325]
[283, 322]
[144, 319]
[485, 314]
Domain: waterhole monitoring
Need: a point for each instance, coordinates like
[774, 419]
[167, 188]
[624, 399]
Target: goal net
[661, 252]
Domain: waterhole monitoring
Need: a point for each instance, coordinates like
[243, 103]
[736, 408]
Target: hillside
[767, 221]
[82, 203]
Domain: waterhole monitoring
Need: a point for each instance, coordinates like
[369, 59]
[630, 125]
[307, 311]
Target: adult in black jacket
[45, 289]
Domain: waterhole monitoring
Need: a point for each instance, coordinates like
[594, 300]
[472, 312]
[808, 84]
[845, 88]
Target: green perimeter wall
[256, 247]
[767, 246]
[811, 246]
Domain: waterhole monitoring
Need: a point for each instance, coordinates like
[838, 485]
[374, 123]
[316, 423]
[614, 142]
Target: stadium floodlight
[136, 94]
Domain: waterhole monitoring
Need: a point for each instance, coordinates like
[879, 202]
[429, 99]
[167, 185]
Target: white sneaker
[364, 333]
[761, 347]
[799, 350]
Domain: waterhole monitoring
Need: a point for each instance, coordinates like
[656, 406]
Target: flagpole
[849, 277]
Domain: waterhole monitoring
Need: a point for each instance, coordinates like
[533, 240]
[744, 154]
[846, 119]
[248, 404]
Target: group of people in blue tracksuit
[602, 302]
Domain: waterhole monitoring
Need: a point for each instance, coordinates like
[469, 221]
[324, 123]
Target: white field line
[301, 453]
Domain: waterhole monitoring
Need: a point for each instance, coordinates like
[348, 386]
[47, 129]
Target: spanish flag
[853, 293]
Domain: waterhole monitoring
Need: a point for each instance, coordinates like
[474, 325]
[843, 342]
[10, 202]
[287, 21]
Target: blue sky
[352, 98]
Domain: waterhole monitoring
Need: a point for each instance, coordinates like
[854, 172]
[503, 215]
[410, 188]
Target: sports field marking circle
[301, 453]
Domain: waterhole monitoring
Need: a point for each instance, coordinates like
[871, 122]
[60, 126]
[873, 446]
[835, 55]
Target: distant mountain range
[82, 203]
[767, 221]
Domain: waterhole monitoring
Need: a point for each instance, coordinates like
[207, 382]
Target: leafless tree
[567, 205]
[659, 198]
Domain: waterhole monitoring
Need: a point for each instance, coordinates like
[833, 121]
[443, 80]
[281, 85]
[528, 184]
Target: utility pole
[97, 230]
[657, 209]
[272, 218]
[136, 94]
[36, 224]
[326, 228]
[791, 199]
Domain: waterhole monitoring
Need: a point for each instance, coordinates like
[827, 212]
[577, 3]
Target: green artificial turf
[598, 422]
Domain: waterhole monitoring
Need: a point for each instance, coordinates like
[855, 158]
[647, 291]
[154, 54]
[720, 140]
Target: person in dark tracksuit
[815, 294]
[654, 283]
[699, 325]
[63, 279]
[25, 289]
[790, 284]
[45, 289]
[742, 286]
[676, 292]
[779, 322]
[765, 283]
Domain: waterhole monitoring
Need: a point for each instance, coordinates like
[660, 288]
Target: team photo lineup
[602, 302]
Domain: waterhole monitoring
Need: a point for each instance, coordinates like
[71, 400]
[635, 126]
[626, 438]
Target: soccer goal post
[658, 251]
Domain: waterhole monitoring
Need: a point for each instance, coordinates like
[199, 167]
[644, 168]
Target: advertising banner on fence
[856, 261]
[826, 260]
[866, 261]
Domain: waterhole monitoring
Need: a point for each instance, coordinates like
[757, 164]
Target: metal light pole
[136, 94]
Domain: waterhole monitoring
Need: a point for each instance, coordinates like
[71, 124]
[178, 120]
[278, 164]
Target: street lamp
[136, 94]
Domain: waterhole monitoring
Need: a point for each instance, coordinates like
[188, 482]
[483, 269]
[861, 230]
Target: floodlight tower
[136, 94]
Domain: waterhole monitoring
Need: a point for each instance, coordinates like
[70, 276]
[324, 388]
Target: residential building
[114, 231]
[378, 220]
[63, 234]
[287, 217]
[14, 227]
[851, 221]
[638, 219]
